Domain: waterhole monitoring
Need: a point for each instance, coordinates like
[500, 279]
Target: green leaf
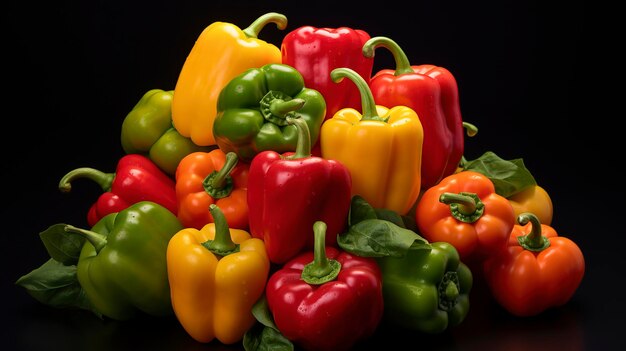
[61, 245]
[261, 311]
[390, 215]
[360, 210]
[262, 338]
[55, 284]
[379, 238]
[508, 176]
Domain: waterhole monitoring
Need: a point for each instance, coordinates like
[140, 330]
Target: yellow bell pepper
[535, 200]
[221, 52]
[215, 279]
[382, 148]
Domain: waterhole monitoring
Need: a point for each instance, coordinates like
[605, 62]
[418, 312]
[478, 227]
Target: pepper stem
[466, 207]
[448, 290]
[303, 145]
[99, 241]
[403, 66]
[276, 106]
[470, 129]
[254, 29]
[219, 184]
[367, 99]
[103, 179]
[533, 241]
[222, 244]
[322, 269]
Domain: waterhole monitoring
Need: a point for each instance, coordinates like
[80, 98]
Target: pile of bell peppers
[288, 196]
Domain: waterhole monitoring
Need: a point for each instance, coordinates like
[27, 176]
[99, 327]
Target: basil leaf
[360, 210]
[508, 176]
[261, 311]
[262, 338]
[389, 215]
[61, 245]
[56, 284]
[378, 238]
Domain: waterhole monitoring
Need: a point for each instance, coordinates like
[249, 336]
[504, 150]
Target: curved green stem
[367, 99]
[470, 129]
[303, 145]
[466, 207]
[322, 269]
[403, 66]
[219, 184]
[99, 241]
[533, 241]
[222, 244]
[103, 179]
[276, 106]
[254, 29]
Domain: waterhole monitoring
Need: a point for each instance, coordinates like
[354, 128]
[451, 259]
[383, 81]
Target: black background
[537, 80]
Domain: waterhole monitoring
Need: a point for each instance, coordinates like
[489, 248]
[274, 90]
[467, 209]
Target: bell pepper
[538, 269]
[315, 52]
[426, 290]
[136, 178]
[431, 92]
[122, 266]
[148, 130]
[326, 299]
[464, 210]
[221, 52]
[536, 200]
[253, 106]
[205, 178]
[216, 275]
[382, 148]
[288, 193]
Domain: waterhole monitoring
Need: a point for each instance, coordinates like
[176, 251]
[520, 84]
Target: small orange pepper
[204, 178]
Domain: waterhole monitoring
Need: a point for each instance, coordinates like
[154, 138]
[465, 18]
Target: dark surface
[531, 77]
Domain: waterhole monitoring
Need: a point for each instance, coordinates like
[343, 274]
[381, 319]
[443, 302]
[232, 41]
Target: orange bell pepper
[535, 200]
[215, 279]
[538, 269]
[204, 178]
[465, 211]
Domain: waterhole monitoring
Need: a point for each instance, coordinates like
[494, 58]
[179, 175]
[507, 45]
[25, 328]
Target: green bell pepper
[252, 110]
[148, 130]
[122, 266]
[426, 290]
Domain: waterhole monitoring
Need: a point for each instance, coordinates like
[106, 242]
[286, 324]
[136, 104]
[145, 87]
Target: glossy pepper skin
[252, 110]
[122, 266]
[214, 177]
[315, 52]
[535, 200]
[382, 148]
[289, 192]
[464, 210]
[537, 270]
[326, 299]
[136, 178]
[426, 290]
[221, 52]
[430, 92]
[216, 275]
[148, 130]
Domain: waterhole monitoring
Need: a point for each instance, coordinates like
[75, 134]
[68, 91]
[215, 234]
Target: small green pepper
[148, 130]
[252, 110]
[427, 289]
[122, 266]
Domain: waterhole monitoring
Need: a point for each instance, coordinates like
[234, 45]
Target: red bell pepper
[430, 91]
[136, 179]
[326, 299]
[287, 193]
[315, 52]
